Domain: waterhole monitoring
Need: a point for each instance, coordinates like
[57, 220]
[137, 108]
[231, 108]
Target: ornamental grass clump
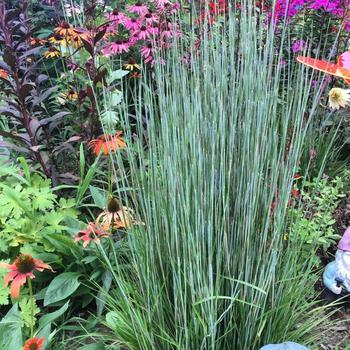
[211, 268]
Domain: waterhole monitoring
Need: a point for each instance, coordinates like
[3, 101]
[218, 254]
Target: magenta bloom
[117, 17]
[298, 46]
[143, 33]
[147, 51]
[119, 46]
[132, 24]
[151, 18]
[138, 8]
[162, 3]
[153, 30]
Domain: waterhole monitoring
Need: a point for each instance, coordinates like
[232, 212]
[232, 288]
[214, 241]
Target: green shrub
[312, 221]
[30, 212]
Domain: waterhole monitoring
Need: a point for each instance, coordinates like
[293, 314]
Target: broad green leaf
[49, 318]
[11, 330]
[98, 196]
[61, 287]
[117, 74]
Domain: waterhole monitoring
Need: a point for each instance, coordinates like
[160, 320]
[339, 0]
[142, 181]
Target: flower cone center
[25, 264]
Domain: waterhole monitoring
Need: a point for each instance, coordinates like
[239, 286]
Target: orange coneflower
[116, 216]
[22, 268]
[37, 41]
[34, 344]
[3, 74]
[58, 39]
[93, 233]
[107, 143]
[52, 52]
[65, 30]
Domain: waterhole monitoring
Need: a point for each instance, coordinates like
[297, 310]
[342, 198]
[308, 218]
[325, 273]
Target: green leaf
[116, 98]
[49, 318]
[61, 287]
[117, 74]
[98, 196]
[11, 330]
[97, 346]
[101, 297]
[64, 245]
[25, 306]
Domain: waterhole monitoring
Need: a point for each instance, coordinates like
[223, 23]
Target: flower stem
[32, 307]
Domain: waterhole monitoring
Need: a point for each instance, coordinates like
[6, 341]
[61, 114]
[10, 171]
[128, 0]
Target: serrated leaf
[26, 307]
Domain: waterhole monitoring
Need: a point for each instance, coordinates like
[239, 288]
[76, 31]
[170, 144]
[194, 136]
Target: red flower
[107, 143]
[34, 344]
[297, 176]
[22, 268]
[294, 193]
[92, 234]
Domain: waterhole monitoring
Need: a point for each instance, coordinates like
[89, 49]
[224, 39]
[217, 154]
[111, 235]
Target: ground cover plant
[172, 174]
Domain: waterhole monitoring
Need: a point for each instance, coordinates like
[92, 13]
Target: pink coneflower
[138, 8]
[151, 18]
[153, 61]
[106, 51]
[169, 8]
[147, 51]
[132, 24]
[143, 33]
[133, 39]
[161, 3]
[92, 233]
[153, 30]
[119, 46]
[117, 17]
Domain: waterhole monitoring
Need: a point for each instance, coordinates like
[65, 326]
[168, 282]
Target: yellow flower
[131, 65]
[71, 95]
[65, 30]
[339, 98]
[58, 39]
[52, 52]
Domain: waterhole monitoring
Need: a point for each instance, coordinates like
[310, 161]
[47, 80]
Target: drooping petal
[9, 277]
[17, 283]
[40, 265]
[7, 266]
